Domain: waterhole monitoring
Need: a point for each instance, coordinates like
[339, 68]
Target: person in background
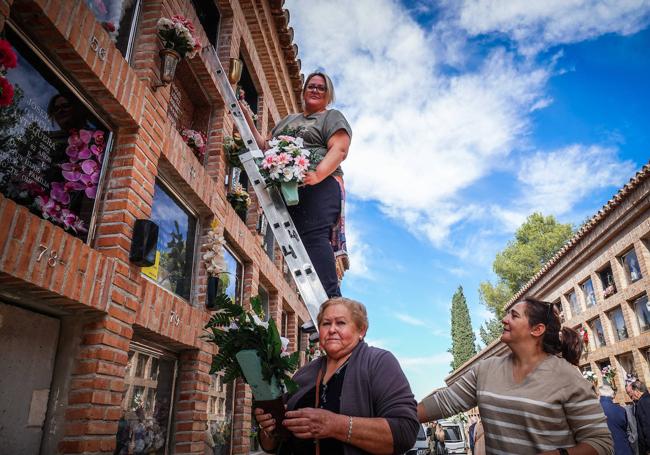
[531, 401]
[470, 432]
[641, 398]
[630, 411]
[616, 420]
[319, 215]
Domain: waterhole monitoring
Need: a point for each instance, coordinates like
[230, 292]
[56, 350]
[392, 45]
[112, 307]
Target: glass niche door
[53, 147]
[145, 423]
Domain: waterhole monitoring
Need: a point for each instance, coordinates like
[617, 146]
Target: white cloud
[419, 136]
[539, 24]
[554, 182]
[426, 361]
[378, 343]
[358, 250]
[410, 319]
[422, 135]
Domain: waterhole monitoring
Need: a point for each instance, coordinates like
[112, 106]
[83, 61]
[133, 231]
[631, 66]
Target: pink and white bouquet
[178, 33]
[286, 160]
[196, 140]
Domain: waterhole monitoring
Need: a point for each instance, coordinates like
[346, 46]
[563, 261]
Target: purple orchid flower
[85, 136]
[59, 194]
[71, 171]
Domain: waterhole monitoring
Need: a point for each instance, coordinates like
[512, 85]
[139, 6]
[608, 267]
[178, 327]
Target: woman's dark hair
[556, 339]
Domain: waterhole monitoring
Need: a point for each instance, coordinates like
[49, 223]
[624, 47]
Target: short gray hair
[605, 391]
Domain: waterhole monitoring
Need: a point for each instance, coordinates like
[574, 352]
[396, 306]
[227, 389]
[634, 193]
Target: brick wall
[96, 278]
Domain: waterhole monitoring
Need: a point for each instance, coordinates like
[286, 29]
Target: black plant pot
[213, 292]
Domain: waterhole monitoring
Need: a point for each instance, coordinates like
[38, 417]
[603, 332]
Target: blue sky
[466, 118]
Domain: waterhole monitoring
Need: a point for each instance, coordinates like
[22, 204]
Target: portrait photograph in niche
[52, 148]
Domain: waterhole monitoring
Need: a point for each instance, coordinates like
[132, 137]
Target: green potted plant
[251, 349]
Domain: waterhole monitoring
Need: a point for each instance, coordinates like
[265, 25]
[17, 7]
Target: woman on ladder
[319, 216]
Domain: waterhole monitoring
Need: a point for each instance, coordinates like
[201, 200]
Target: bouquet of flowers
[239, 198]
[178, 34]
[213, 259]
[196, 140]
[590, 376]
[8, 60]
[609, 374]
[253, 350]
[285, 164]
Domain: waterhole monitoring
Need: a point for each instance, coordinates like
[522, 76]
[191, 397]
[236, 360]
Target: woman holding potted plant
[326, 133]
[353, 400]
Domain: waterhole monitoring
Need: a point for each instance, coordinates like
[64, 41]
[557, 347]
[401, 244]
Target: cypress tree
[463, 340]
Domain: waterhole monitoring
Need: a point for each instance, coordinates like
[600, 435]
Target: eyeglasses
[316, 88]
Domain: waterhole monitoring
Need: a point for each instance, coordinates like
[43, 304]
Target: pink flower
[8, 57]
[90, 184]
[51, 209]
[286, 138]
[98, 136]
[71, 171]
[301, 161]
[59, 194]
[268, 162]
[89, 166]
[283, 159]
[6, 92]
[85, 136]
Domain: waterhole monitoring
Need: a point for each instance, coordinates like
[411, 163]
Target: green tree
[535, 242]
[463, 340]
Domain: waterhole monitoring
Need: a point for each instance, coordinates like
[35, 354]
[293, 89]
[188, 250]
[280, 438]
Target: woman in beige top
[326, 133]
[531, 401]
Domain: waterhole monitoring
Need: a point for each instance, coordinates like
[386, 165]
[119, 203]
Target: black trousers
[318, 210]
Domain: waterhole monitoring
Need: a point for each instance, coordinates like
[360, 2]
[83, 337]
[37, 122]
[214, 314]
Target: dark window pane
[52, 148]
[209, 16]
[247, 85]
[174, 258]
[599, 333]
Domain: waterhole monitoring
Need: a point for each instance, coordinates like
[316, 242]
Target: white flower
[258, 321]
[285, 345]
[287, 172]
[299, 142]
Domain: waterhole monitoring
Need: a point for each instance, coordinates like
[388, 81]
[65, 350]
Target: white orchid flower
[259, 322]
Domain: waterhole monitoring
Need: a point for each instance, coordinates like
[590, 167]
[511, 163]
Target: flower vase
[169, 59]
[289, 191]
[267, 396]
[213, 291]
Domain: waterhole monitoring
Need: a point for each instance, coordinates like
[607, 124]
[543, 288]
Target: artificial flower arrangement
[590, 376]
[196, 140]
[85, 152]
[285, 164]
[213, 259]
[253, 350]
[233, 146]
[8, 60]
[178, 34]
[609, 375]
[239, 198]
[215, 264]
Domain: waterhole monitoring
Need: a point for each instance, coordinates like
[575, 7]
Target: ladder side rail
[273, 206]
